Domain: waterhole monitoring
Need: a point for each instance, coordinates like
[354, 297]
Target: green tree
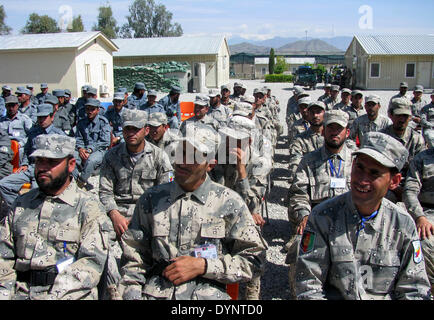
[106, 22]
[40, 24]
[4, 29]
[148, 19]
[271, 62]
[281, 65]
[77, 25]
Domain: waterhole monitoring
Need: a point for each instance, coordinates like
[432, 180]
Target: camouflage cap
[29, 86]
[297, 90]
[335, 87]
[6, 88]
[346, 90]
[304, 94]
[244, 86]
[403, 85]
[212, 93]
[238, 84]
[260, 90]
[58, 93]
[201, 100]
[418, 88]
[384, 149]
[93, 102]
[356, 92]
[304, 101]
[44, 85]
[52, 99]
[118, 96]
[67, 93]
[243, 109]
[85, 87]
[11, 99]
[156, 119]
[248, 98]
[238, 127]
[92, 90]
[428, 134]
[202, 137]
[372, 98]
[152, 93]
[225, 86]
[317, 104]
[139, 86]
[400, 106]
[336, 116]
[135, 118]
[54, 146]
[44, 109]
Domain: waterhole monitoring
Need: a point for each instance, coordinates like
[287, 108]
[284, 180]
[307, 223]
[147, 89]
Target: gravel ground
[274, 284]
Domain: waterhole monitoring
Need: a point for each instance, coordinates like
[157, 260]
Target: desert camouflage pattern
[35, 234]
[378, 263]
[362, 125]
[169, 222]
[54, 145]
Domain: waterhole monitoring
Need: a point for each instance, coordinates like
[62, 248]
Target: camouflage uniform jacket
[266, 127]
[382, 261]
[221, 114]
[42, 230]
[311, 184]
[427, 116]
[416, 106]
[292, 106]
[341, 106]
[122, 182]
[297, 127]
[418, 194]
[398, 95]
[362, 125]
[169, 222]
[207, 119]
[305, 142]
[167, 143]
[252, 189]
[411, 140]
[330, 103]
[323, 97]
[293, 117]
[354, 113]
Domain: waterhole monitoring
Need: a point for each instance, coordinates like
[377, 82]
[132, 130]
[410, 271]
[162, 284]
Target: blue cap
[44, 109]
[139, 86]
[59, 93]
[23, 90]
[51, 99]
[93, 102]
[44, 86]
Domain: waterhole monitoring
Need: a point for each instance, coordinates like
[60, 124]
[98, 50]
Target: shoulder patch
[307, 241]
[417, 252]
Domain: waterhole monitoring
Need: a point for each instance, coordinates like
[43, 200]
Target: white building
[66, 60]
[208, 55]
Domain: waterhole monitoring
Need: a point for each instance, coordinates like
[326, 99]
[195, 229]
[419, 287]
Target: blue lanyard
[362, 225]
[333, 170]
[305, 126]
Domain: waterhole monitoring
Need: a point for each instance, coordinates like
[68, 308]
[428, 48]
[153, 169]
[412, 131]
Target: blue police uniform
[173, 111]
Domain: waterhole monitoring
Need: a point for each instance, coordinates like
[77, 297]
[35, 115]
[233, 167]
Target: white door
[423, 73]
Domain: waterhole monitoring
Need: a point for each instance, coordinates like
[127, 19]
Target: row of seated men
[112, 142]
[323, 138]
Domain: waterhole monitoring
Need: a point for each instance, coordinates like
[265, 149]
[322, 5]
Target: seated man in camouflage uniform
[191, 237]
[372, 121]
[359, 245]
[419, 200]
[322, 174]
[219, 112]
[302, 124]
[201, 108]
[417, 103]
[225, 97]
[327, 88]
[331, 101]
[356, 108]
[127, 171]
[345, 100]
[400, 113]
[427, 116]
[54, 241]
[161, 135]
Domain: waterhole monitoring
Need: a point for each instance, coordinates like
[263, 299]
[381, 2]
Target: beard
[53, 184]
[333, 144]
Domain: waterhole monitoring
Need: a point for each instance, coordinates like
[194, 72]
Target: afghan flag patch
[417, 252]
[307, 241]
[171, 176]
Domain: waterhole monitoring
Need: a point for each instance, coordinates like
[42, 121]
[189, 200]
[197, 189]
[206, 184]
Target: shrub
[279, 78]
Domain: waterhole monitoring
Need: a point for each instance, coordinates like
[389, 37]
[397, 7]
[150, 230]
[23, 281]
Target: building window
[87, 73]
[410, 70]
[264, 71]
[104, 72]
[375, 70]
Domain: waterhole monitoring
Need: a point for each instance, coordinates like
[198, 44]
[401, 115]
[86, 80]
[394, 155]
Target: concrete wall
[54, 67]
[95, 54]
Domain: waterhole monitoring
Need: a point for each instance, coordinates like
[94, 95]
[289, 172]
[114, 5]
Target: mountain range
[290, 45]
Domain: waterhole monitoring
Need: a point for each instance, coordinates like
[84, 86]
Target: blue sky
[254, 19]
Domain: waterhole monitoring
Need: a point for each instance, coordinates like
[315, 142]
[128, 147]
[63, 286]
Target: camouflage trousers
[253, 288]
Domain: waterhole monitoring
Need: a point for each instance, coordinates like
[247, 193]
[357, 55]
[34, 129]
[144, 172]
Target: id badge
[207, 251]
[63, 263]
[337, 183]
